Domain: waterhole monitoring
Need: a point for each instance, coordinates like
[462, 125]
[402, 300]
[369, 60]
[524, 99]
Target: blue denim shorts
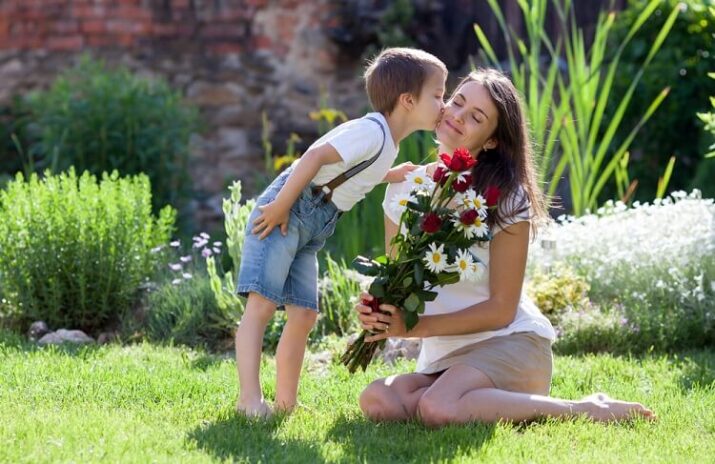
[284, 269]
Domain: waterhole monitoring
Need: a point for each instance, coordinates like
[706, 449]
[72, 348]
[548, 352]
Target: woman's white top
[463, 294]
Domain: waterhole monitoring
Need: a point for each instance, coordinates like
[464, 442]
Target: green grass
[146, 403]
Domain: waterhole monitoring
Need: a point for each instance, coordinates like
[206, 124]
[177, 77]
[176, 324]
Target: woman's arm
[507, 263]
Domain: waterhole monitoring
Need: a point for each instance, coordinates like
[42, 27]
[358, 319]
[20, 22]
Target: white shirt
[458, 296]
[356, 141]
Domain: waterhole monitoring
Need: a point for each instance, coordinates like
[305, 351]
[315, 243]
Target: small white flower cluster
[469, 269]
[650, 253]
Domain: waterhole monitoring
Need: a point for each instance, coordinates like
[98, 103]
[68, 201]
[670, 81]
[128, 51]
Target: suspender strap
[327, 189]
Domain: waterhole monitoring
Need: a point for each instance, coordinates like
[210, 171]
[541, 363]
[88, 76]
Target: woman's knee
[433, 411]
[377, 402]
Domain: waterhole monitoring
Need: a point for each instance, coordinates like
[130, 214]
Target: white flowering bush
[655, 262]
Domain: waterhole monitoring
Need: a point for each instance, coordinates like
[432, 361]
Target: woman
[486, 349]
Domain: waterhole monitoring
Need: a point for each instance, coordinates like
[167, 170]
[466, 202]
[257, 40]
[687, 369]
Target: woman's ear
[491, 144]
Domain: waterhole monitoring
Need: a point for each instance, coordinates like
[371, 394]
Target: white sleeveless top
[458, 296]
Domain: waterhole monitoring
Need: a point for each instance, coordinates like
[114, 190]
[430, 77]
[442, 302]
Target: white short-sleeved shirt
[356, 141]
[458, 296]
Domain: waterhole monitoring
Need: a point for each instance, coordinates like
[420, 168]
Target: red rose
[468, 217]
[460, 161]
[491, 195]
[440, 175]
[463, 185]
[431, 223]
[374, 304]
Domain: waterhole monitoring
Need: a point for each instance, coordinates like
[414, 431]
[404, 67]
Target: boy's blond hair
[396, 71]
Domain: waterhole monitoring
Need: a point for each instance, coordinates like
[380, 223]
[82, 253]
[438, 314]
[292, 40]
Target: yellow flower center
[463, 265]
[418, 180]
[403, 202]
[478, 222]
[477, 203]
[436, 258]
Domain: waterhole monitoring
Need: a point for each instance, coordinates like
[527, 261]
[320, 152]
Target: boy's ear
[406, 100]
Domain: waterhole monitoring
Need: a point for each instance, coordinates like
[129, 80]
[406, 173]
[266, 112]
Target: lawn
[147, 403]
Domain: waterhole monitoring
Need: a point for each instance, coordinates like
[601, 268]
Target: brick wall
[233, 59]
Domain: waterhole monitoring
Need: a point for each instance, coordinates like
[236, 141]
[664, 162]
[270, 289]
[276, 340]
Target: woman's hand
[386, 325]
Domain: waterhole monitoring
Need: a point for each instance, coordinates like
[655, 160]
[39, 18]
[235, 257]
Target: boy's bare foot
[254, 409]
[284, 408]
[602, 408]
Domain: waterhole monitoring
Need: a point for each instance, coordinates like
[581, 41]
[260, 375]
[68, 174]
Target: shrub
[98, 119]
[655, 261]
[74, 250]
[682, 64]
[558, 291]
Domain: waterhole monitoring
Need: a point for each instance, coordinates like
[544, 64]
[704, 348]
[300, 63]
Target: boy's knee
[260, 308]
[302, 317]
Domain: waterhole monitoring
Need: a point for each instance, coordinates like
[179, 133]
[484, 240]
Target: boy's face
[428, 109]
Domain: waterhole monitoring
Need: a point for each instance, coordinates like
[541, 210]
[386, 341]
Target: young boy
[297, 213]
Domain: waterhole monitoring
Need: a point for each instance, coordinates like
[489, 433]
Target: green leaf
[412, 302]
[427, 295]
[407, 281]
[411, 320]
[419, 273]
[377, 289]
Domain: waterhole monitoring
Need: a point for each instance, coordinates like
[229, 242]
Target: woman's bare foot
[602, 408]
[255, 409]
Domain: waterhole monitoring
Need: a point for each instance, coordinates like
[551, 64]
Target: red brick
[225, 48]
[100, 40]
[122, 26]
[262, 42]
[64, 26]
[224, 30]
[164, 29]
[93, 26]
[72, 42]
[89, 11]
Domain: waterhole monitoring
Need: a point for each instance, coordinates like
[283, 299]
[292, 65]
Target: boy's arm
[277, 212]
[399, 172]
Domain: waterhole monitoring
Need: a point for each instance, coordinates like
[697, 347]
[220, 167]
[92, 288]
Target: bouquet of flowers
[441, 218]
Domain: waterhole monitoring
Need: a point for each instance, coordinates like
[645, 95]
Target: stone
[107, 337]
[37, 330]
[396, 348]
[213, 94]
[65, 336]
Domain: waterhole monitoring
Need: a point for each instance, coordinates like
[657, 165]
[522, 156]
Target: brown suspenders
[327, 189]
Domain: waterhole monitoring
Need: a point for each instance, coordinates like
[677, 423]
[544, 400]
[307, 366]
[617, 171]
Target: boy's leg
[289, 356]
[249, 345]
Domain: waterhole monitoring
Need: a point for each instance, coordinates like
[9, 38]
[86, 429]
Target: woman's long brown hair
[510, 165]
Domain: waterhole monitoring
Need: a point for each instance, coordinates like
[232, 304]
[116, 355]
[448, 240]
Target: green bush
[558, 291]
[186, 313]
[686, 57]
[339, 288]
[74, 250]
[100, 119]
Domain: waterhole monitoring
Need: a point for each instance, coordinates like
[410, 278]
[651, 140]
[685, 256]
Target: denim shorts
[284, 269]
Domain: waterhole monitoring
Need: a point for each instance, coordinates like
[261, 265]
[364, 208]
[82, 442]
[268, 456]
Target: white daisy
[419, 180]
[465, 265]
[478, 229]
[399, 202]
[472, 200]
[435, 259]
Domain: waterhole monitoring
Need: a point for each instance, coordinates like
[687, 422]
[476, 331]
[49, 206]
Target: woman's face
[470, 119]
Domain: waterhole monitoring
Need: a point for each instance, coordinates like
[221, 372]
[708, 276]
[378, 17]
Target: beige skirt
[519, 362]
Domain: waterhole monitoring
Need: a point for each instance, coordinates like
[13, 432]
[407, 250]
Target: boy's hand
[272, 215]
[398, 173]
